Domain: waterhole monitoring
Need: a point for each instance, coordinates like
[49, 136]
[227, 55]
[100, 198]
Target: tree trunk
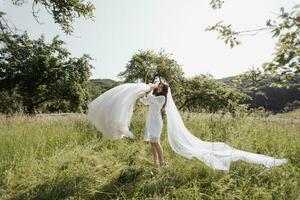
[30, 109]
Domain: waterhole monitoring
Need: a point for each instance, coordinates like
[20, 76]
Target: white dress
[154, 122]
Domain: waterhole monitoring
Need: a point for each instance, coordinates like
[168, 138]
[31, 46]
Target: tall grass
[64, 157]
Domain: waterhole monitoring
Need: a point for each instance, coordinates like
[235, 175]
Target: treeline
[42, 77]
[265, 94]
[273, 99]
[197, 94]
[39, 76]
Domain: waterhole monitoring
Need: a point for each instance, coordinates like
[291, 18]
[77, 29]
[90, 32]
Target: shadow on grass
[57, 188]
[122, 186]
[137, 182]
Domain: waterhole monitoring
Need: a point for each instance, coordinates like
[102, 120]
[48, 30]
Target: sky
[122, 27]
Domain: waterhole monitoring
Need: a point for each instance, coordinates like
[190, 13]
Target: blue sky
[122, 27]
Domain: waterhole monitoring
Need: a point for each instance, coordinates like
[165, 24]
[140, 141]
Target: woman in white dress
[156, 99]
[111, 113]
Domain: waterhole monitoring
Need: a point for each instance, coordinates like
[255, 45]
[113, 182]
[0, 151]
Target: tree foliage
[286, 61]
[285, 65]
[147, 66]
[263, 92]
[63, 12]
[43, 73]
[200, 93]
[216, 4]
[249, 82]
[203, 93]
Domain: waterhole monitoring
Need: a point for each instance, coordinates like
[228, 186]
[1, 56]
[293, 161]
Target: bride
[157, 101]
[111, 113]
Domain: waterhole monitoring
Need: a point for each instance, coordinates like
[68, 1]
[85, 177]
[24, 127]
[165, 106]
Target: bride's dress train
[111, 113]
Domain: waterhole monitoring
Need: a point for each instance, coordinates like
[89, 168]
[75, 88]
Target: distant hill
[227, 80]
[105, 81]
[271, 98]
[98, 86]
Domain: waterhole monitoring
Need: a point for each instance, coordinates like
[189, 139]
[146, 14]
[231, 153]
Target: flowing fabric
[111, 113]
[217, 155]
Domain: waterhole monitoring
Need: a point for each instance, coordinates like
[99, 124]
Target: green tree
[203, 93]
[10, 102]
[147, 66]
[42, 73]
[285, 65]
[250, 83]
[286, 61]
[63, 12]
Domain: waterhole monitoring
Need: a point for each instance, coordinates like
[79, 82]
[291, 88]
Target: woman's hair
[164, 92]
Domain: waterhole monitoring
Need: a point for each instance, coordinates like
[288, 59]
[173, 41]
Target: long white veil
[111, 113]
[217, 155]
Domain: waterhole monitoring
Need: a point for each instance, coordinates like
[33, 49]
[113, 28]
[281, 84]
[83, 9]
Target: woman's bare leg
[159, 151]
[155, 154]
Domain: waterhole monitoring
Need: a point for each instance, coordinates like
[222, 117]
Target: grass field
[64, 157]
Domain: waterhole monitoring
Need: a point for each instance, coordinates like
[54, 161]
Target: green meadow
[64, 157]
